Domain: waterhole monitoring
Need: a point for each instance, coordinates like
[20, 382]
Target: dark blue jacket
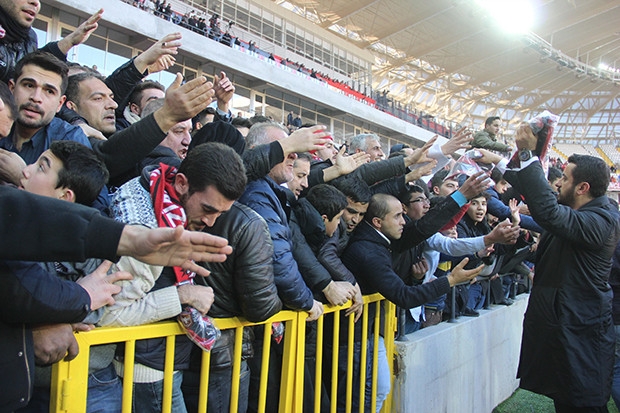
[268, 199]
[308, 231]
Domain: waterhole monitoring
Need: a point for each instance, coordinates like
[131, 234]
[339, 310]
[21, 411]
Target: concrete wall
[467, 367]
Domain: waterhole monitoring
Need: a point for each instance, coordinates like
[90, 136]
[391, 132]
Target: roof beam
[353, 8]
[424, 12]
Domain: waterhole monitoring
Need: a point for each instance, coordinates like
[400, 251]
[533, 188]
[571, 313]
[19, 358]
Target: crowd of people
[211, 27]
[279, 217]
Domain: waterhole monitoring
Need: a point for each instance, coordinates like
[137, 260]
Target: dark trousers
[220, 382]
[567, 408]
[273, 376]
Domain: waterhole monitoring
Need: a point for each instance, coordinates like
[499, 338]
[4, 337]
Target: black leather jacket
[243, 284]
[11, 53]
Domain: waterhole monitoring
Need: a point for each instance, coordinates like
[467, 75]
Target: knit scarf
[168, 209]
[13, 31]
[130, 116]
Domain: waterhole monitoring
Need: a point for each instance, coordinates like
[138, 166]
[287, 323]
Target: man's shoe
[469, 312]
[506, 301]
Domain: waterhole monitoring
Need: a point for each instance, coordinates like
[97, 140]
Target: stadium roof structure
[451, 58]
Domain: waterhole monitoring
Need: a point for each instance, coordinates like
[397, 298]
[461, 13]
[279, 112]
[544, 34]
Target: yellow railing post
[70, 379]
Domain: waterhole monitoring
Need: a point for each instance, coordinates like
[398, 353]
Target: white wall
[467, 367]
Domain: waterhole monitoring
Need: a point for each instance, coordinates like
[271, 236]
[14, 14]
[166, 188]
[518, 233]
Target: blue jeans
[105, 391]
[615, 388]
[105, 394]
[476, 296]
[383, 374]
[411, 326]
[147, 397]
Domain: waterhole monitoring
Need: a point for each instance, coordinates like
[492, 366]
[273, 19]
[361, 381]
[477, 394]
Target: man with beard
[38, 87]
[567, 351]
[205, 185]
[89, 96]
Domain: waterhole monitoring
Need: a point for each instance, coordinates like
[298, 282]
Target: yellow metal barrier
[70, 379]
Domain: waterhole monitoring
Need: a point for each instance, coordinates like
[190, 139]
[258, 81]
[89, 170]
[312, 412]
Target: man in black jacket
[194, 196]
[243, 286]
[567, 351]
[369, 257]
[568, 339]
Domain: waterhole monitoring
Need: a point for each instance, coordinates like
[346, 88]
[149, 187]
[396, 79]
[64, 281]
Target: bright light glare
[514, 16]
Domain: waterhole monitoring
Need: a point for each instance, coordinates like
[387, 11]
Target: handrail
[70, 378]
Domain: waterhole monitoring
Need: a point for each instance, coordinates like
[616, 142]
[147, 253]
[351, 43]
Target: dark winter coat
[308, 231]
[268, 199]
[567, 352]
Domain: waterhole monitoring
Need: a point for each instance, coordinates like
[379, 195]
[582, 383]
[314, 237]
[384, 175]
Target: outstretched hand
[475, 184]
[488, 157]
[347, 164]
[419, 154]
[224, 91]
[460, 140]
[173, 247]
[503, 233]
[420, 171]
[513, 204]
[183, 102]
[305, 140]
[460, 275]
[160, 55]
[81, 33]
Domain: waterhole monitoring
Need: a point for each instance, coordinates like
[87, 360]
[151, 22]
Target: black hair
[214, 164]
[202, 115]
[82, 171]
[138, 90]
[304, 156]
[553, 173]
[8, 99]
[378, 206]
[592, 170]
[491, 119]
[405, 195]
[259, 119]
[355, 189]
[327, 200]
[483, 194]
[45, 61]
[439, 177]
[73, 84]
[496, 175]
[241, 122]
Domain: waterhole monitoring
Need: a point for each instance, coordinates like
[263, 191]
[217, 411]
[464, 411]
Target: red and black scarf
[168, 209]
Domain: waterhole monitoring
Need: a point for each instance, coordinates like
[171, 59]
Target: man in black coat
[567, 352]
[369, 257]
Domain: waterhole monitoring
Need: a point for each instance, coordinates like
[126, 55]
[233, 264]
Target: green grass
[523, 401]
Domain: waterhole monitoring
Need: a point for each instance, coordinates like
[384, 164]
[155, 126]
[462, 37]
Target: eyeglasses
[424, 200]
